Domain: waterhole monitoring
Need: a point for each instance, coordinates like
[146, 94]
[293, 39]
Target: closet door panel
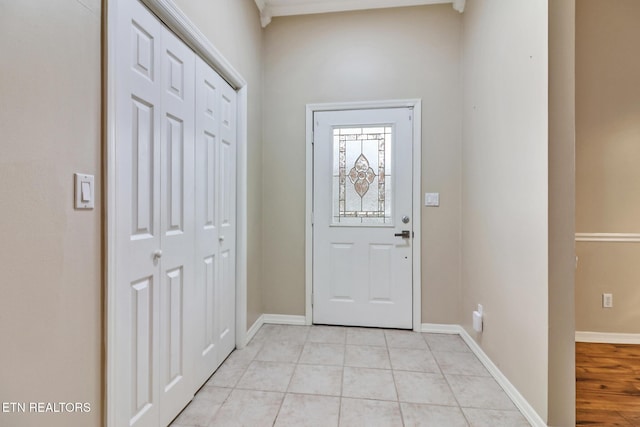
[177, 290]
[207, 259]
[175, 178]
[138, 230]
[227, 212]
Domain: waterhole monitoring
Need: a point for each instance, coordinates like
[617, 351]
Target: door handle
[406, 234]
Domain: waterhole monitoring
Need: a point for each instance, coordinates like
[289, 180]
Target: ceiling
[270, 8]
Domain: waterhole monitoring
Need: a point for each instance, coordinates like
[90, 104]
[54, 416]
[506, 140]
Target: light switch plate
[84, 191]
[432, 199]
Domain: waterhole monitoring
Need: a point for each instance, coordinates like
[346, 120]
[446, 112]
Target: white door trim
[416, 104]
[180, 24]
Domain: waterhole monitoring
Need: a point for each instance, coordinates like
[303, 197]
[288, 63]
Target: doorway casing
[416, 105]
[179, 23]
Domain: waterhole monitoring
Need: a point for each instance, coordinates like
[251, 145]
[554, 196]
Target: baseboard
[607, 337]
[284, 319]
[523, 405]
[436, 328]
[525, 408]
[276, 319]
[253, 330]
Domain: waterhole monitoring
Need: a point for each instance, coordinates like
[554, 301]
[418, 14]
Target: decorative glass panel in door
[362, 175]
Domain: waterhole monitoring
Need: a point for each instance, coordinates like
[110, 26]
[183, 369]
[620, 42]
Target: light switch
[432, 199]
[84, 191]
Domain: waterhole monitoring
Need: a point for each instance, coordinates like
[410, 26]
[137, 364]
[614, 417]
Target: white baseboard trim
[253, 330]
[436, 328]
[521, 403]
[276, 319]
[607, 337]
[284, 319]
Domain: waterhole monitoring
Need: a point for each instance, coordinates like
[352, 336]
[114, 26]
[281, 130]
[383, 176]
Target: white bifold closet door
[215, 171]
[175, 154]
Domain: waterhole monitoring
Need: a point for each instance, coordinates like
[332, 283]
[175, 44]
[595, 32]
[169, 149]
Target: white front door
[362, 225]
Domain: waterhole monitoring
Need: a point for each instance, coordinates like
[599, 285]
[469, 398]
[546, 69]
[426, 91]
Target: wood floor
[607, 384]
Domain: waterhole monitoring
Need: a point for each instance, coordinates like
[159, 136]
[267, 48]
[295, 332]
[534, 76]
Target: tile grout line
[295, 368]
[262, 391]
[447, 382]
[514, 409]
[234, 387]
[393, 375]
[344, 359]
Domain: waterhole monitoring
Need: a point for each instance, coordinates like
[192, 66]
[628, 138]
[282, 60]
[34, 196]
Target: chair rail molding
[608, 237]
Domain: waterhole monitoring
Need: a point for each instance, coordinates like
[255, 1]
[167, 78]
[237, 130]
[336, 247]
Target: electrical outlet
[607, 300]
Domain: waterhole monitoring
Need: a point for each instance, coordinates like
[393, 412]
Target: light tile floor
[337, 376]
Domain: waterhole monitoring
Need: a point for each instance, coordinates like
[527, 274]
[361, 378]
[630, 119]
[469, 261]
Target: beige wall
[233, 26]
[505, 188]
[50, 255]
[359, 56]
[608, 267]
[52, 293]
[562, 382]
[607, 174]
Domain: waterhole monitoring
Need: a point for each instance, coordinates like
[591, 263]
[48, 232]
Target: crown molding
[459, 5]
[271, 8]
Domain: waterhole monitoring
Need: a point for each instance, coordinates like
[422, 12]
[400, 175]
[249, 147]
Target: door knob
[221, 239]
[157, 254]
[406, 234]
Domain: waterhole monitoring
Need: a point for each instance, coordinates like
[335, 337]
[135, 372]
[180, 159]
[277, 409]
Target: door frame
[416, 105]
[184, 29]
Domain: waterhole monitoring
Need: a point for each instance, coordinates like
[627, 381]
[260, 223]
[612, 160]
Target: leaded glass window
[362, 175]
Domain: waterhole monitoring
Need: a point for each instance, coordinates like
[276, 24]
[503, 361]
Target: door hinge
[311, 298]
[312, 218]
